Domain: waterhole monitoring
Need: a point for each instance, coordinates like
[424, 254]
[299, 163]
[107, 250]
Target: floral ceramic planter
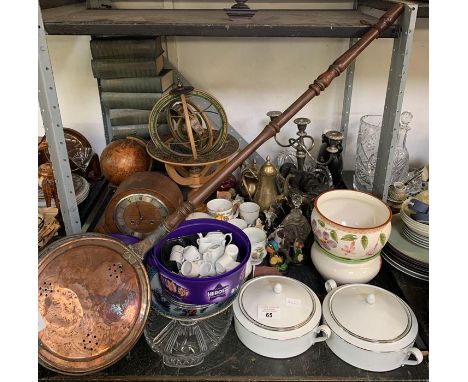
[350, 224]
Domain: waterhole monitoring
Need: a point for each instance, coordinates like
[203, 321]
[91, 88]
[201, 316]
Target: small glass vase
[367, 148]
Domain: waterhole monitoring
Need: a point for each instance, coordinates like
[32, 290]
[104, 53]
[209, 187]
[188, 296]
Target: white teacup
[177, 248]
[198, 215]
[191, 253]
[249, 211]
[232, 265]
[223, 263]
[232, 250]
[258, 239]
[248, 269]
[221, 209]
[190, 269]
[176, 256]
[207, 269]
[213, 253]
[240, 223]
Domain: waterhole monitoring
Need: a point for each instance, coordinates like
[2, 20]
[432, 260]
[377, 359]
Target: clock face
[139, 214]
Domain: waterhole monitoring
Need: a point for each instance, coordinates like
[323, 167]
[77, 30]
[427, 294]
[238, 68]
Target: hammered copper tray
[94, 297]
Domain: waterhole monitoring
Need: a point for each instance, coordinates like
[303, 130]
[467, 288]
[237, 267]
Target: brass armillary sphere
[188, 122]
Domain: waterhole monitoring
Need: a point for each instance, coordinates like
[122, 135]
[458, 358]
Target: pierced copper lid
[94, 297]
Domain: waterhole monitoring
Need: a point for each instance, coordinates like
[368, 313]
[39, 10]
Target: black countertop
[232, 361]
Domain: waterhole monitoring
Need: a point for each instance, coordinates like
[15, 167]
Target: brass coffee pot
[266, 191]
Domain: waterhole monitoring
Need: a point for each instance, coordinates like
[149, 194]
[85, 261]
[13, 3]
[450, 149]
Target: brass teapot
[266, 192]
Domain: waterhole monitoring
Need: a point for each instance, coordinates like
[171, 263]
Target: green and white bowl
[351, 224]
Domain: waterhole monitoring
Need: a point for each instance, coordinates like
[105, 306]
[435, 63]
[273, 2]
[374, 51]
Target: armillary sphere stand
[191, 148]
[191, 172]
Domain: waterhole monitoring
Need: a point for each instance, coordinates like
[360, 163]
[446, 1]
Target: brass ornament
[266, 192]
[196, 123]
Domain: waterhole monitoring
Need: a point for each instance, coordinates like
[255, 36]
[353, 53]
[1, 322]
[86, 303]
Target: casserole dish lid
[369, 317]
[277, 307]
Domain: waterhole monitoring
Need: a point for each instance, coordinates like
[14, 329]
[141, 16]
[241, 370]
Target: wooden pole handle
[273, 127]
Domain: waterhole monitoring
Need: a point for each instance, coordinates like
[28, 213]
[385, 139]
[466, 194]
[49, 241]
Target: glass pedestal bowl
[186, 343]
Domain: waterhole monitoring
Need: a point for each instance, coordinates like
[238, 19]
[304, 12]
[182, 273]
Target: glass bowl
[183, 343]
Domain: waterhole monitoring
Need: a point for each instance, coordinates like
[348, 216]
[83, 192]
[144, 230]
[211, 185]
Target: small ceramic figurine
[269, 218]
[297, 257]
[275, 257]
[259, 223]
[278, 236]
[47, 183]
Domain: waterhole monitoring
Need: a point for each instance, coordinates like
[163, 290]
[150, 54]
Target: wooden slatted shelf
[75, 19]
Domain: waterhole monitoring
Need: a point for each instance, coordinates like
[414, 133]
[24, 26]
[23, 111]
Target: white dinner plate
[401, 244]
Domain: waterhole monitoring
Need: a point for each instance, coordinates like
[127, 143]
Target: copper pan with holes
[93, 297]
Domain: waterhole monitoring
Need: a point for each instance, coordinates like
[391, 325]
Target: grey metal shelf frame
[76, 19]
[53, 127]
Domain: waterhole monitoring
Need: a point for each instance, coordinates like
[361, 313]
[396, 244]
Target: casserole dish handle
[326, 333]
[330, 285]
[417, 354]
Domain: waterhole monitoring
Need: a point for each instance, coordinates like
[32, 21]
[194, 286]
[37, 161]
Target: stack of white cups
[212, 257]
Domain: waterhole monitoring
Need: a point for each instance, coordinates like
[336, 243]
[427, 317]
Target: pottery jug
[266, 191]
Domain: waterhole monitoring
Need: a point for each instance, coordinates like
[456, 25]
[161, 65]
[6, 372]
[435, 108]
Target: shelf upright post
[348, 93]
[393, 101]
[52, 121]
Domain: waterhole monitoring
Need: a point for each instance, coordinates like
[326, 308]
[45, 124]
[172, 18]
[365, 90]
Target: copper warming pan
[94, 294]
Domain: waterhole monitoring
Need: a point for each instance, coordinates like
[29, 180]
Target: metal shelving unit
[76, 19]
[53, 127]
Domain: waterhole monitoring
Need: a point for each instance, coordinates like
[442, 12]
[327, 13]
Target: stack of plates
[403, 254]
[416, 232]
[81, 186]
[415, 238]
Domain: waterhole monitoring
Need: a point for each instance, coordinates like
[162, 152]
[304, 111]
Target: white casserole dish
[278, 317]
[371, 328]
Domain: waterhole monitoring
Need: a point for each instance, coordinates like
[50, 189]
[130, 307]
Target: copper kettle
[266, 192]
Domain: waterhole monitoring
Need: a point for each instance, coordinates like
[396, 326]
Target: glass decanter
[400, 167]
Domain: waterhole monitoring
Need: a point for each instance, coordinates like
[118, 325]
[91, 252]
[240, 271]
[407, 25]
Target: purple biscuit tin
[206, 290]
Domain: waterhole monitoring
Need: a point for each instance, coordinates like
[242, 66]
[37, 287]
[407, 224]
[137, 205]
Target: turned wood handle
[274, 126]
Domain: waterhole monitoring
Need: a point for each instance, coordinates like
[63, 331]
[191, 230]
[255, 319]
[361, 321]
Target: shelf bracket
[99, 4]
[53, 127]
[393, 101]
